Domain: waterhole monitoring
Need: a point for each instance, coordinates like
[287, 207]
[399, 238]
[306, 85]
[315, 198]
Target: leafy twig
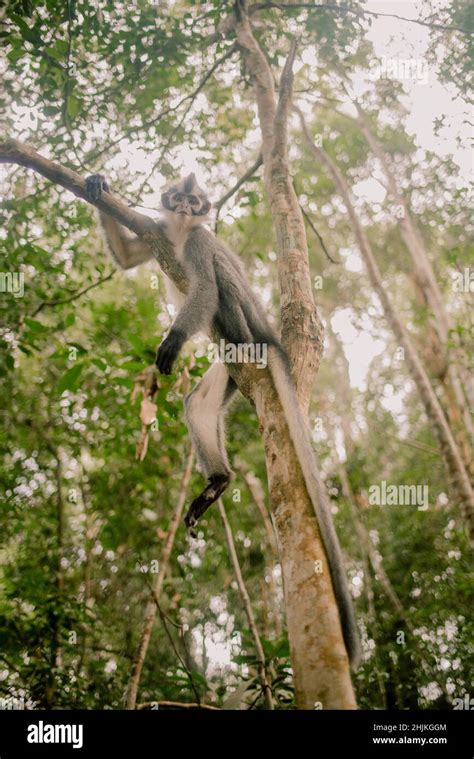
[74, 296]
[151, 122]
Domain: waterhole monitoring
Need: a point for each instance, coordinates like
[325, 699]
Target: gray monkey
[220, 298]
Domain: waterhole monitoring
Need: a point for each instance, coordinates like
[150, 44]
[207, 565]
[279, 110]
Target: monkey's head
[186, 198]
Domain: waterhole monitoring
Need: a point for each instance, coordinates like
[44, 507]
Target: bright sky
[426, 99]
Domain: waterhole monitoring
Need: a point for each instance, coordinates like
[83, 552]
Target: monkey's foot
[210, 494]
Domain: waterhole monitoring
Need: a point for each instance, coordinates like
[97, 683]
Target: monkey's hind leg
[205, 407]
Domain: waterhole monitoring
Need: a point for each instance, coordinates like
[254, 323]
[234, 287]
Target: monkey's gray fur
[220, 296]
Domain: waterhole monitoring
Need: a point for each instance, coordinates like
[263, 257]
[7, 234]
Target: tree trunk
[320, 664]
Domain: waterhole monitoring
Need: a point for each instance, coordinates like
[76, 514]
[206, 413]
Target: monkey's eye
[193, 200]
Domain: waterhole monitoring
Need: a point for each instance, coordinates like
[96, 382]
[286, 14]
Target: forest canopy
[106, 601]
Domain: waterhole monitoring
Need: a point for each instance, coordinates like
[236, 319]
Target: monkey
[220, 298]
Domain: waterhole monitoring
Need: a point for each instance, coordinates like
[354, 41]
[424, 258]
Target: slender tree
[454, 461]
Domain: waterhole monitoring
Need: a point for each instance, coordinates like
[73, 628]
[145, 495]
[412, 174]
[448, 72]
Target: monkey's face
[186, 198]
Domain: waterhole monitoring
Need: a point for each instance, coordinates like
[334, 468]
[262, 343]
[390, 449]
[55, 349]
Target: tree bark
[452, 456]
[301, 328]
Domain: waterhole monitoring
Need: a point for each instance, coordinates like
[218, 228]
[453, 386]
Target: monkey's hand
[96, 185]
[169, 350]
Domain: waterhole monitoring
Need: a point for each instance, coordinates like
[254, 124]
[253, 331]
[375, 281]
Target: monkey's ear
[165, 200]
[205, 208]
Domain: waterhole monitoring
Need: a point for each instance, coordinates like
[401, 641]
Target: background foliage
[136, 90]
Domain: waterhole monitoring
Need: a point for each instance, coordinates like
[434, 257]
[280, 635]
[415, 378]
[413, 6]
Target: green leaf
[72, 106]
[28, 34]
[136, 342]
[69, 379]
[14, 55]
[35, 326]
[99, 363]
[51, 51]
[124, 382]
[51, 110]
[244, 659]
[283, 650]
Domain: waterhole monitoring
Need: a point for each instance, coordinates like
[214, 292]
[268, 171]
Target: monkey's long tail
[299, 433]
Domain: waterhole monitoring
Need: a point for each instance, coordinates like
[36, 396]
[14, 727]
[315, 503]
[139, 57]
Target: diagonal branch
[171, 109]
[74, 296]
[357, 11]
[165, 620]
[13, 151]
[151, 608]
[312, 226]
[243, 179]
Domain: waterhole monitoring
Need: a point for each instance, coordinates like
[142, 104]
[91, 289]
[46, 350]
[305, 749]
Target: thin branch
[310, 223]
[74, 296]
[415, 444]
[243, 179]
[247, 604]
[165, 619]
[256, 491]
[358, 12]
[150, 610]
[151, 122]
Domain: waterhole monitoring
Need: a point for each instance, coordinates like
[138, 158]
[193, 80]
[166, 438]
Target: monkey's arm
[127, 251]
[197, 311]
